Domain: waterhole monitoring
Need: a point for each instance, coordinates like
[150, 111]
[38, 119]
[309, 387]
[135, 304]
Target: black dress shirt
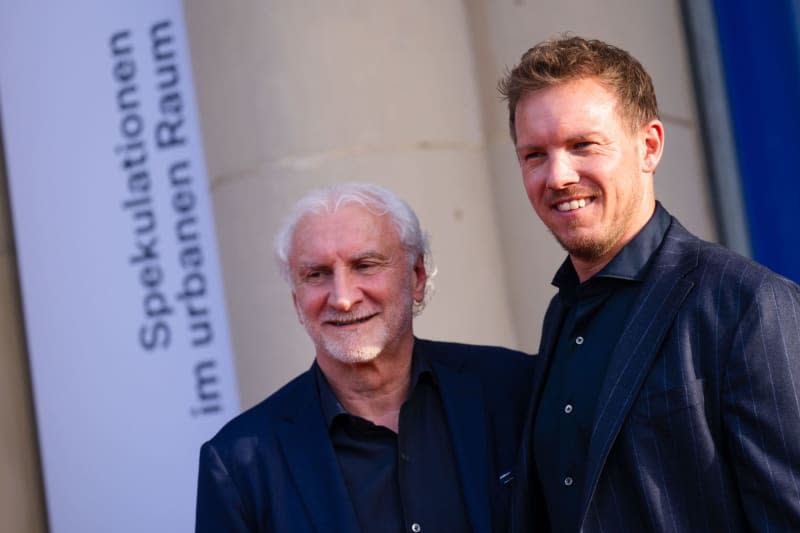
[405, 482]
[595, 314]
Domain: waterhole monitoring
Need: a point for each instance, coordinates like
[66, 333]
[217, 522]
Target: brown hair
[566, 59]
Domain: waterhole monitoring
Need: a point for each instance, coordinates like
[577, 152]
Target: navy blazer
[697, 425]
[273, 468]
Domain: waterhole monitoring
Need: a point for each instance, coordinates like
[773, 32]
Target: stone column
[653, 33]
[21, 491]
[295, 95]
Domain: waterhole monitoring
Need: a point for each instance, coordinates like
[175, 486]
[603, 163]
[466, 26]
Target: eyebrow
[583, 136]
[369, 254]
[570, 139]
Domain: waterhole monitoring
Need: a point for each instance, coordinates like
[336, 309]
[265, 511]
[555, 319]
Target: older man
[385, 432]
[668, 394]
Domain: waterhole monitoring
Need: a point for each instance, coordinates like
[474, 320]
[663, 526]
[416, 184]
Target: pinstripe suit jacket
[697, 425]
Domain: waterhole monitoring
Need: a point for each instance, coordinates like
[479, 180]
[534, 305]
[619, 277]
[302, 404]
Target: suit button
[568, 481]
[578, 340]
[568, 408]
[416, 528]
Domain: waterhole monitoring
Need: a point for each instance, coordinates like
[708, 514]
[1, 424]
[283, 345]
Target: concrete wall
[295, 95]
[652, 32]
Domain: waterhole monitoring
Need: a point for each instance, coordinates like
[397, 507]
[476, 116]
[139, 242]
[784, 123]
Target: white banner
[125, 318]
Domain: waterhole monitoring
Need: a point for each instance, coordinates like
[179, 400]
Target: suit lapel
[312, 462]
[462, 396]
[662, 294]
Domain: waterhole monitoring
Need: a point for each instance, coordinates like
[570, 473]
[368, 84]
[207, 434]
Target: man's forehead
[311, 260]
[581, 106]
[350, 217]
[590, 86]
[352, 231]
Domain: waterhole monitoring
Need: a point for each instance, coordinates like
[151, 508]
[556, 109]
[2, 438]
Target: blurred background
[293, 95]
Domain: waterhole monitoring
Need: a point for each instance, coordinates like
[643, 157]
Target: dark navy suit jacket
[273, 468]
[697, 426]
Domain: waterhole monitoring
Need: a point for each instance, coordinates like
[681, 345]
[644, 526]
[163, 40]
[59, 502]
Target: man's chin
[583, 247]
[354, 354]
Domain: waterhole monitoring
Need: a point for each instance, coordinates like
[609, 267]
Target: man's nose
[344, 292]
[560, 172]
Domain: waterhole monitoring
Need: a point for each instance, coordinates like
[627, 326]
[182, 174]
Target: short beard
[352, 352]
[587, 249]
[353, 348]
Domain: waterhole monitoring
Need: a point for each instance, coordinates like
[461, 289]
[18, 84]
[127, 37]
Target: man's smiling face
[586, 173]
[353, 283]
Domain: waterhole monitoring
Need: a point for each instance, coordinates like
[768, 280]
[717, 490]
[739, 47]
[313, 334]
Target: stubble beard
[352, 347]
[590, 248]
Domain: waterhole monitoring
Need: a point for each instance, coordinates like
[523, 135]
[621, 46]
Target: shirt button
[416, 528]
[568, 408]
[579, 340]
[568, 481]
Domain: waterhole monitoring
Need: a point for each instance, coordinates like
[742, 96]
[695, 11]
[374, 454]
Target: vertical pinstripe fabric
[698, 420]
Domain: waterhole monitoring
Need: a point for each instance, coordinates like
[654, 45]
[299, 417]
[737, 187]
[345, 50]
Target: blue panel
[759, 44]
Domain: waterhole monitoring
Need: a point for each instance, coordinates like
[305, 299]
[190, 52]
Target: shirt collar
[332, 407]
[631, 262]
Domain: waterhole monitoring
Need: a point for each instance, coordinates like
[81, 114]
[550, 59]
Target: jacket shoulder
[260, 420]
[719, 267]
[726, 287]
[488, 362]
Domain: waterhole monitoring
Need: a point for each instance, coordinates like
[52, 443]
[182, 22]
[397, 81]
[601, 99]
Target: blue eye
[365, 266]
[313, 276]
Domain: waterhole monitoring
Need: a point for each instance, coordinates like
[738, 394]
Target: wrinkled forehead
[348, 229]
[340, 216]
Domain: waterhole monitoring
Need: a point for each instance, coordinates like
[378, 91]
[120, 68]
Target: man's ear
[297, 309]
[652, 135]
[419, 276]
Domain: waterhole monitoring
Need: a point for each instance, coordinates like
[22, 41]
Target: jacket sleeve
[219, 505]
[761, 408]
